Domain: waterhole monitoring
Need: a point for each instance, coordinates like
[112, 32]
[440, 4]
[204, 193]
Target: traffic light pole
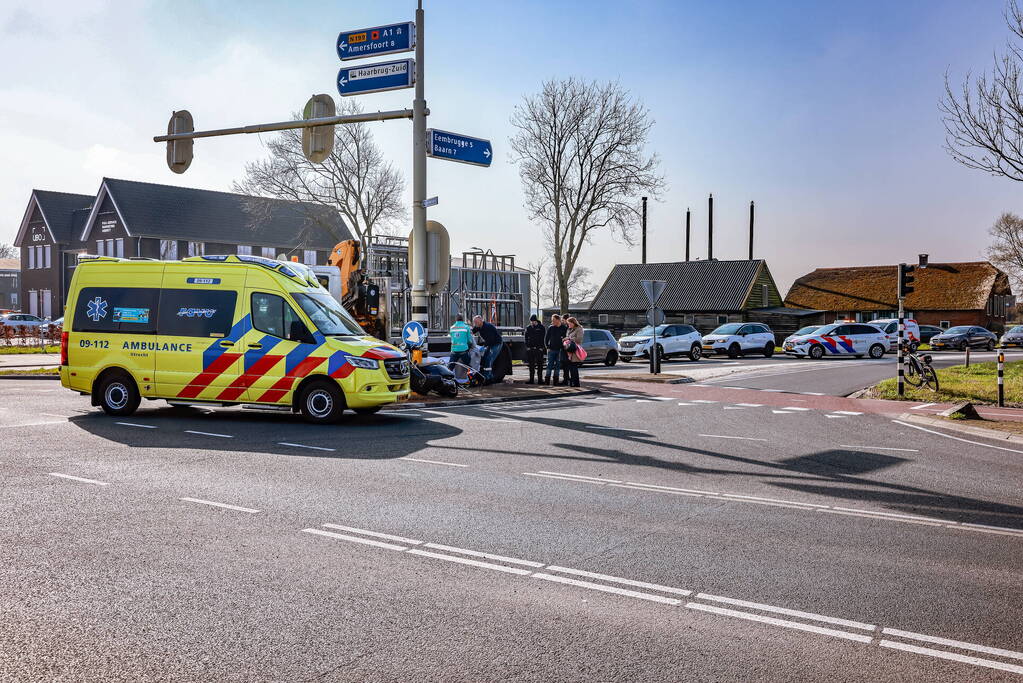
[417, 269]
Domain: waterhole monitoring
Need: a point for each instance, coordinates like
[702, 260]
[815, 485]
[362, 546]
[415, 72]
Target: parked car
[928, 331]
[23, 320]
[890, 326]
[600, 346]
[674, 340]
[962, 337]
[737, 339]
[840, 339]
[801, 332]
[1012, 337]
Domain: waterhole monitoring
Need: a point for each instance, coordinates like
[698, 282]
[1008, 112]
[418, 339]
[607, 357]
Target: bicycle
[919, 371]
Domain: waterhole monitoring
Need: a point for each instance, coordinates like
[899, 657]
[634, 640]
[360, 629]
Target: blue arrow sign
[373, 42]
[414, 334]
[456, 147]
[358, 80]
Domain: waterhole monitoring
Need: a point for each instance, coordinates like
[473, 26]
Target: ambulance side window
[272, 314]
[196, 312]
[128, 310]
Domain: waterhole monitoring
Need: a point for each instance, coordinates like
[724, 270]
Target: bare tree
[984, 119]
[580, 148]
[1006, 249]
[545, 283]
[355, 180]
[8, 251]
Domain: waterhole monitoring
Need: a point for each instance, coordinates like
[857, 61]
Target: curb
[57, 377]
[480, 401]
[953, 425]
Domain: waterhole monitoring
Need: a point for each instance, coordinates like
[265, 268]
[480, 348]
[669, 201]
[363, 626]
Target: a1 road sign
[373, 42]
[414, 334]
[358, 80]
[441, 144]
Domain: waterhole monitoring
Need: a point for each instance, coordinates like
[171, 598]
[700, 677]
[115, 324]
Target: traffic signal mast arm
[289, 125]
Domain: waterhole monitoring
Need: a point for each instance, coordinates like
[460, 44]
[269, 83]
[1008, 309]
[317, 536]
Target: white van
[890, 326]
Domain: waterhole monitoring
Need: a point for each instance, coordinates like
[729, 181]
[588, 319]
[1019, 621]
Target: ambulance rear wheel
[118, 394]
[322, 403]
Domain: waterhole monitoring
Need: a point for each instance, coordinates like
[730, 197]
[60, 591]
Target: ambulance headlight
[364, 363]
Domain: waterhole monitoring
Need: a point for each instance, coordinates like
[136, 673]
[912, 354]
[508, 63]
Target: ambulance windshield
[328, 315]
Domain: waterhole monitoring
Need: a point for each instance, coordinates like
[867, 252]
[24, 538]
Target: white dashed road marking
[220, 436]
[81, 479]
[722, 436]
[299, 445]
[236, 508]
[880, 448]
[434, 462]
[135, 424]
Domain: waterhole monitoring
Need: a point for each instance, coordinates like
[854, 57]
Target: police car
[839, 339]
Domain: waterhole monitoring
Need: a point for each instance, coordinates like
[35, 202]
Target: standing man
[553, 341]
[536, 346]
[461, 340]
[493, 342]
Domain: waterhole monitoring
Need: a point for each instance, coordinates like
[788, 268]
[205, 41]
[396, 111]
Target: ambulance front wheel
[322, 402]
[118, 394]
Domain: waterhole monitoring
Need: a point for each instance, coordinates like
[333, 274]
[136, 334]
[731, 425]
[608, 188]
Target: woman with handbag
[575, 354]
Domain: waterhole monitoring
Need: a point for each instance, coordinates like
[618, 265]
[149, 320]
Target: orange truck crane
[359, 295]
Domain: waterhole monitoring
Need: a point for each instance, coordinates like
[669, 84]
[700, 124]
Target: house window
[31, 257]
[267, 252]
[14, 299]
[765, 296]
[46, 253]
[168, 250]
[309, 257]
[244, 250]
[33, 302]
[722, 319]
[196, 248]
[99, 247]
[944, 324]
[119, 245]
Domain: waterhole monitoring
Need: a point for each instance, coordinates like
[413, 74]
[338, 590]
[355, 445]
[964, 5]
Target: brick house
[704, 294]
[945, 294]
[144, 220]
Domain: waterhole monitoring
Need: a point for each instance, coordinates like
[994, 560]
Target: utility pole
[687, 233]
[751, 231]
[644, 229]
[417, 269]
[710, 228]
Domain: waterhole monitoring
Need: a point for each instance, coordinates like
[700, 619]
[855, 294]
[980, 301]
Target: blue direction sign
[358, 80]
[414, 334]
[456, 147]
[373, 42]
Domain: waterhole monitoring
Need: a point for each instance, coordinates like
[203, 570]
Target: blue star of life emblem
[97, 309]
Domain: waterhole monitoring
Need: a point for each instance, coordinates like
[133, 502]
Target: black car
[928, 331]
[962, 337]
[1012, 337]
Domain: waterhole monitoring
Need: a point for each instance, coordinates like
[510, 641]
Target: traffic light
[179, 152]
[906, 279]
[318, 141]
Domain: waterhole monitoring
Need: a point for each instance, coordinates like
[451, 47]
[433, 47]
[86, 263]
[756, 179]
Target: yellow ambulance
[219, 331]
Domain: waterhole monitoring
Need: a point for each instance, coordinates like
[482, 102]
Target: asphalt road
[613, 537]
[831, 376]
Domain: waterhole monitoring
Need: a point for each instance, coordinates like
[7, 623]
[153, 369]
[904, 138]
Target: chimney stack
[710, 228]
[644, 229]
[751, 231]
[687, 233]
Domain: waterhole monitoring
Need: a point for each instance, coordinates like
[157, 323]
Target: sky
[824, 113]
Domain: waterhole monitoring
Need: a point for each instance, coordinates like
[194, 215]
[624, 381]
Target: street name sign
[653, 289]
[441, 144]
[414, 334]
[432, 201]
[373, 42]
[359, 80]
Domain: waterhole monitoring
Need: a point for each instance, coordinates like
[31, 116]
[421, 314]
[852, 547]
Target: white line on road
[956, 438]
[643, 400]
[722, 436]
[845, 412]
[750, 405]
[489, 556]
[700, 400]
[953, 643]
[135, 424]
[433, 462]
[608, 589]
[355, 539]
[377, 534]
[782, 412]
[837, 416]
[923, 405]
[219, 505]
[474, 563]
[618, 579]
[299, 445]
[619, 429]
[687, 404]
[554, 476]
[880, 448]
[786, 611]
[779, 622]
[799, 408]
[34, 424]
[735, 408]
[81, 479]
[582, 476]
[63, 417]
[221, 436]
[941, 654]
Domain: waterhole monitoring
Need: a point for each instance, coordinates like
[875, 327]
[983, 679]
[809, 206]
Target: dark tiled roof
[782, 310]
[59, 209]
[185, 213]
[939, 287]
[692, 286]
